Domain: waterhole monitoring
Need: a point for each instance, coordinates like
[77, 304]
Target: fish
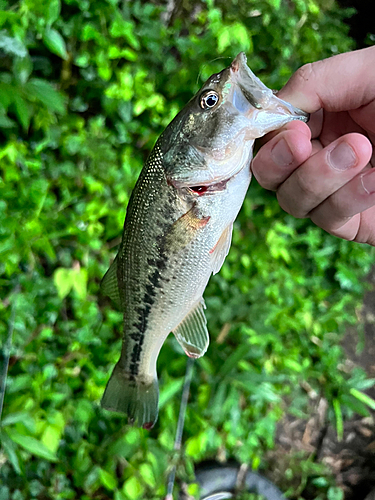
[178, 228]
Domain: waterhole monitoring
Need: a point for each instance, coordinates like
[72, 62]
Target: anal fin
[192, 333]
[109, 284]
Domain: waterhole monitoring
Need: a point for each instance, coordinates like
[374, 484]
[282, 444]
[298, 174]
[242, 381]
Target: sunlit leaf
[107, 479]
[339, 419]
[32, 445]
[63, 280]
[361, 396]
[55, 42]
[12, 45]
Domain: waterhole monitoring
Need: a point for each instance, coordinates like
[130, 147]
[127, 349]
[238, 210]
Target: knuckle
[305, 72]
[299, 195]
[289, 205]
[305, 186]
[337, 208]
[309, 71]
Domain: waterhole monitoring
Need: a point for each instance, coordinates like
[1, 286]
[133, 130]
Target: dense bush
[86, 87]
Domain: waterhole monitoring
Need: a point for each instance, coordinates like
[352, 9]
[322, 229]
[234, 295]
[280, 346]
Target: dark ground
[352, 461]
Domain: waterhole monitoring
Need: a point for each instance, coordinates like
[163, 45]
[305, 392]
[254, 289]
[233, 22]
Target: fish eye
[209, 99]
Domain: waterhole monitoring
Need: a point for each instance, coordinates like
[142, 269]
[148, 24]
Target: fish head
[212, 138]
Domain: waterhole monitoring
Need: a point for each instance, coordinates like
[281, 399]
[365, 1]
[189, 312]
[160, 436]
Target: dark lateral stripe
[143, 311]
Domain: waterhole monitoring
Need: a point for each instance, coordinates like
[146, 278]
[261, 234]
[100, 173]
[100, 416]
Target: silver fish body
[178, 228]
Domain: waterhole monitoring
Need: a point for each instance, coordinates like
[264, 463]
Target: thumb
[339, 83]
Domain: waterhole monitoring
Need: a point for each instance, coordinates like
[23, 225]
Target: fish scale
[178, 228]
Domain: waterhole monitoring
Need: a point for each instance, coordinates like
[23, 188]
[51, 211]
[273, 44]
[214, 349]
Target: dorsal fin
[192, 332]
[109, 284]
[221, 249]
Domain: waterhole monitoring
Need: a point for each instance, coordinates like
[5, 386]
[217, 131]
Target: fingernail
[342, 157]
[368, 182]
[281, 154]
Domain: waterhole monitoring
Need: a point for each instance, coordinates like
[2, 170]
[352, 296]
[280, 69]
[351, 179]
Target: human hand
[323, 170]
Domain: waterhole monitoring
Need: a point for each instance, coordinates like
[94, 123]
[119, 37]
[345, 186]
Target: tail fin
[137, 399]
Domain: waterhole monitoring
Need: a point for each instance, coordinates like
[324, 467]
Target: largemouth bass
[178, 228]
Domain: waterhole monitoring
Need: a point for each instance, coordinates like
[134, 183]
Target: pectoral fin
[192, 332]
[221, 249]
[184, 230]
[109, 284]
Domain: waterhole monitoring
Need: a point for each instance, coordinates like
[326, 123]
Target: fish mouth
[250, 93]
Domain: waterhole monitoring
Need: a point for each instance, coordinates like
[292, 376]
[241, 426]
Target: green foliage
[86, 87]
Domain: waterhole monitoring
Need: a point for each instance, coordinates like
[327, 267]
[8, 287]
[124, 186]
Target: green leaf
[107, 479]
[339, 420]
[32, 445]
[133, 488]
[117, 53]
[169, 391]
[23, 111]
[45, 93]
[13, 418]
[63, 280]
[193, 489]
[53, 11]
[55, 43]
[335, 493]
[22, 68]
[196, 445]
[12, 46]
[363, 397]
[233, 359]
[223, 40]
[51, 437]
[365, 383]
[10, 451]
[276, 4]
[79, 280]
[6, 122]
[147, 474]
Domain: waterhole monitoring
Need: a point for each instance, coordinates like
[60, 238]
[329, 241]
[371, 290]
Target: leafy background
[86, 87]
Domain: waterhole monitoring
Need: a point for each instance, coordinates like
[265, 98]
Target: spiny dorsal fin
[109, 284]
[221, 249]
[192, 332]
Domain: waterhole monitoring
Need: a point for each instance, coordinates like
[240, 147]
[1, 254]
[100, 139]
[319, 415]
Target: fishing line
[180, 423]
[6, 350]
[210, 62]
